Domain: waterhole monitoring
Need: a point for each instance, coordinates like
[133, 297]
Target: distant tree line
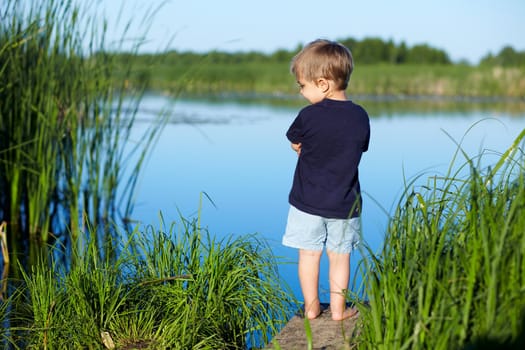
[367, 51]
[507, 57]
[375, 50]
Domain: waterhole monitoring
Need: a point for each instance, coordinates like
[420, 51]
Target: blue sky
[465, 29]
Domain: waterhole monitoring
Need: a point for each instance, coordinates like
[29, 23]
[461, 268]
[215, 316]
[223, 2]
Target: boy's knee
[335, 254]
[312, 253]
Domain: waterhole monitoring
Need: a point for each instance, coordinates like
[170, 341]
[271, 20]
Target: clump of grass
[55, 308]
[225, 292]
[178, 288]
[452, 268]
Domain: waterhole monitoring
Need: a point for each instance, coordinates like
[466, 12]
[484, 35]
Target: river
[236, 153]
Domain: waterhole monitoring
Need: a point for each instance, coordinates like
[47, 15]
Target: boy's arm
[297, 147]
[295, 134]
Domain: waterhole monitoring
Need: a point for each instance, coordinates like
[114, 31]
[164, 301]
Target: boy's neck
[338, 95]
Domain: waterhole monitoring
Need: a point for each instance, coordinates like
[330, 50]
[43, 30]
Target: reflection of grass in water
[178, 288]
[378, 106]
[452, 266]
[445, 106]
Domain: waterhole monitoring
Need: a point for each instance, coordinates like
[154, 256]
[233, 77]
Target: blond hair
[324, 59]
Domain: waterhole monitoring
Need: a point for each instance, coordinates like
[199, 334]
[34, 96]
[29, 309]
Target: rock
[326, 333]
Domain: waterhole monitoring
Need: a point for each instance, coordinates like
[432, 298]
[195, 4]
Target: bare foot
[313, 311]
[348, 313]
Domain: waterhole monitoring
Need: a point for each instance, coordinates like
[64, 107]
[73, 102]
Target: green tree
[507, 57]
[424, 54]
[401, 53]
[372, 50]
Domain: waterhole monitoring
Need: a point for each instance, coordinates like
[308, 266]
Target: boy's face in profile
[311, 90]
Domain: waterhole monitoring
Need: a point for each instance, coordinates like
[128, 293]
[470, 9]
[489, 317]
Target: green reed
[4, 316]
[178, 288]
[452, 268]
[68, 158]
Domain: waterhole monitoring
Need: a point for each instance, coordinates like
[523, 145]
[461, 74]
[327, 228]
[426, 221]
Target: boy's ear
[323, 84]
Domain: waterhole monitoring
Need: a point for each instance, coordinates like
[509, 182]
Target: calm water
[239, 156]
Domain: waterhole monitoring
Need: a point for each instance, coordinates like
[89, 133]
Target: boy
[329, 137]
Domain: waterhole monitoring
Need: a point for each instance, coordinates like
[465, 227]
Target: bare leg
[309, 261]
[339, 275]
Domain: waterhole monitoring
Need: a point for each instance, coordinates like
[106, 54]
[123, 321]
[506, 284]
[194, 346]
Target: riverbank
[273, 78]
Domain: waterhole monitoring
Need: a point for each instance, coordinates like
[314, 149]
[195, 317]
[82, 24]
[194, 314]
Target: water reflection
[237, 153]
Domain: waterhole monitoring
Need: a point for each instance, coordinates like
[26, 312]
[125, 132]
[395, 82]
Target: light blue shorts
[313, 232]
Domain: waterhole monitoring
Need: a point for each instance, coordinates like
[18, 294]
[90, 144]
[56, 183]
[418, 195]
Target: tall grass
[452, 268]
[169, 289]
[65, 129]
[69, 161]
[267, 77]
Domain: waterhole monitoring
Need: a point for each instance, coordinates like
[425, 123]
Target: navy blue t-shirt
[333, 134]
